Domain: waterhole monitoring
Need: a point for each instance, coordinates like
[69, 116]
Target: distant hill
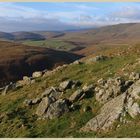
[27, 36]
[6, 36]
[17, 60]
[119, 33]
[20, 36]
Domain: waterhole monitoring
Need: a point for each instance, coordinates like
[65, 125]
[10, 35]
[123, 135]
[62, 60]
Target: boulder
[26, 81]
[133, 108]
[109, 113]
[97, 58]
[88, 88]
[77, 62]
[57, 109]
[76, 95]
[65, 85]
[43, 106]
[52, 92]
[37, 74]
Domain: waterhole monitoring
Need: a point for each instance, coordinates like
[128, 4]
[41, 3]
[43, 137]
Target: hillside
[17, 60]
[88, 98]
[113, 35]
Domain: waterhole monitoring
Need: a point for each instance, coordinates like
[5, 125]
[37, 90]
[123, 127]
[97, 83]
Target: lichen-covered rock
[57, 109]
[109, 113]
[43, 106]
[133, 107]
[109, 89]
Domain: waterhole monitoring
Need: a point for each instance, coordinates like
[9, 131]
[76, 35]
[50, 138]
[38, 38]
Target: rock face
[56, 109]
[109, 113]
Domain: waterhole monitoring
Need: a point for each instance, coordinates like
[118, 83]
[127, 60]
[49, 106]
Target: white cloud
[16, 18]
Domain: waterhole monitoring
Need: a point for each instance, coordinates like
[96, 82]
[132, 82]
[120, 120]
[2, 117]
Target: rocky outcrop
[115, 103]
[108, 89]
[109, 113]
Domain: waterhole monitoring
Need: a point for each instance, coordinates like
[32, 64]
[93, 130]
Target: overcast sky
[36, 16]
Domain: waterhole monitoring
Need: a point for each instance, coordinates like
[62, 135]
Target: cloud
[15, 17]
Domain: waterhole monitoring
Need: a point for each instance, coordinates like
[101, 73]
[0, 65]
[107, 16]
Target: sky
[58, 16]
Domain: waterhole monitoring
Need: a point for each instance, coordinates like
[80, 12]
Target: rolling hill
[17, 60]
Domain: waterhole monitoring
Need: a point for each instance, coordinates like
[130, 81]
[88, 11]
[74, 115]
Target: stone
[75, 84]
[134, 76]
[57, 109]
[28, 102]
[111, 88]
[133, 109]
[77, 62]
[87, 108]
[65, 85]
[109, 113]
[76, 95]
[36, 100]
[134, 90]
[43, 106]
[26, 81]
[47, 92]
[11, 86]
[97, 58]
[88, 88]
[52, 92]
[37, 74]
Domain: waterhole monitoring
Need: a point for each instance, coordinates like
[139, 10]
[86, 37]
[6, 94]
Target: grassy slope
[51, 43]
[22, 123]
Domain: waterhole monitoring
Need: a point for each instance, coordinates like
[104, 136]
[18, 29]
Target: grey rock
[134, 76]
[133, 108]
[36, 100]
[52, 92]
[88, 88]
[109, 113]
[43, 106]
[65, 85]
[9, 87]
[97, 58]
[76, 95]
[57, 109]
[37, 74]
